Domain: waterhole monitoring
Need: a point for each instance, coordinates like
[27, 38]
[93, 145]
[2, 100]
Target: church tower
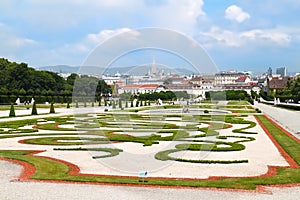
[153, 66]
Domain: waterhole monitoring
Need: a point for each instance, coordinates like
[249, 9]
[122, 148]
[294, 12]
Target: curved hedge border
[54, 141]
[112, 152]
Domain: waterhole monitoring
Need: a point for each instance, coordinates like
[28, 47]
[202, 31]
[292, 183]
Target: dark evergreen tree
[34, 110]
[137, 103]
[12, 111]
[120, 104]
[52, 110]
[131, 103]
[114, 104]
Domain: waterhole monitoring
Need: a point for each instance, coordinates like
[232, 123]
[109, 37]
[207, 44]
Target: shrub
[105, 110]
[12, 111]
[131, 104]
[34, 110]
[206, 111]
[120, 104]
[52, 108]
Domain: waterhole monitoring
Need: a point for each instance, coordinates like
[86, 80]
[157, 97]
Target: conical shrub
[34, 110]
[12, 111]
[52, 110]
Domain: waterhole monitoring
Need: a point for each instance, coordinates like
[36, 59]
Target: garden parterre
[166, 146]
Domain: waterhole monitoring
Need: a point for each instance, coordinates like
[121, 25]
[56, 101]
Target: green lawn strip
[147, 140]
[291, 146]
[238, 120]
[55, 141]
[237, 103]
[54, 126]
[48, 169]
[17, 123]
[111, 152]
[242, 111]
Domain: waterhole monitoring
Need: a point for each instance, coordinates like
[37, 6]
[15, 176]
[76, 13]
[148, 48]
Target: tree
[137, 103]
[114, 104]
[167, 81]
[12, 111]
[100, 99]
[68, 105]
[120, 104]
[52, 108]
[126, 104]
[131, 103]
[34, 110]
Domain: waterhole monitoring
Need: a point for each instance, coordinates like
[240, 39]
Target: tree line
[17, 80]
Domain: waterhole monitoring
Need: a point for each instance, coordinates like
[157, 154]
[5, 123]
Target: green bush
[34, 110]
[131, 104]
[206, 111]
[120, 104]
[12, 111]
[52, 108]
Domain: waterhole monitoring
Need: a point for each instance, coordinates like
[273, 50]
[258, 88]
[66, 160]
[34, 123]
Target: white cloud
[181, 15]
[11, 42]
[94, 39]
[273, 36]
[236, 13]
[257, 37]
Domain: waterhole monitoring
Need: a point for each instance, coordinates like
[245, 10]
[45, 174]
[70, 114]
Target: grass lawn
[238, 103]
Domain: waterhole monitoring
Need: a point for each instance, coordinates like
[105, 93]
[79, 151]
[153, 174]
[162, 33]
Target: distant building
[228, 77]
[269, 72]
[282, 71]
[278, 83]
[138, 88]
[243, 80]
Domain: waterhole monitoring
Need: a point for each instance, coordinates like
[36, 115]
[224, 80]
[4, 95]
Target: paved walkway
[288, 119]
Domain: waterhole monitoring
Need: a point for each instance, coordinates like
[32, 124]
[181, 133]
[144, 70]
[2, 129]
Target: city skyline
[242, 35]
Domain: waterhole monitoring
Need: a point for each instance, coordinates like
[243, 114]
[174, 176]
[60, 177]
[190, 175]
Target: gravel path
[288, 119]
[14, 190]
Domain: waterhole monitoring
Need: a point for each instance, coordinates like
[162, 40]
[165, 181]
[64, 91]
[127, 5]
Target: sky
[237, 34]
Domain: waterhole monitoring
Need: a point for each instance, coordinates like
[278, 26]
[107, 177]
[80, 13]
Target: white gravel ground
[15, 190]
